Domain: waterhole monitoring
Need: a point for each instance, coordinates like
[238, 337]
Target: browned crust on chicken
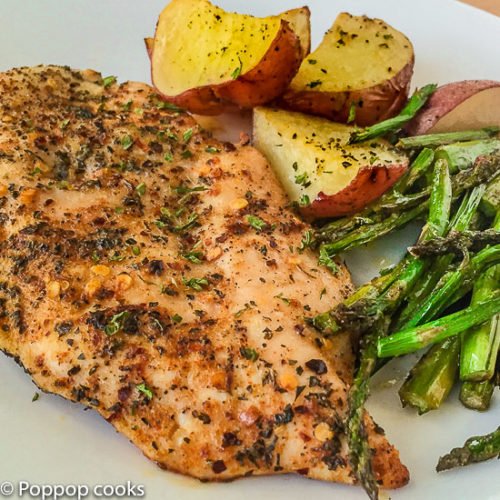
[156, 275]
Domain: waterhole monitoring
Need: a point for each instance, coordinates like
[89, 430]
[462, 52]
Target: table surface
[492, 6]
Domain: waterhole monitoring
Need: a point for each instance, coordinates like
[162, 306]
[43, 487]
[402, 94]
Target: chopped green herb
[284, 299]
[327, 261]
[187, 135]
[168, 134]
[197, 284]
[256, 222]
[303, 180]
[312, 61]
[119, 210]
[186, 154]
[141, 189]
[284, 418]
[212, 149]
[116, 257]
[352, 113]
[165, 212]
[127, 142]
[144, 389]
[249, 353]
[176, 318]
[185, 189]
[237, 314]
[160, 224]
[116, 323]
[314, 84]
[108, 81]
[35, 171]
[191, 221]
[64, 124]
[304, 200]
[169, 157]
[237, 71]
[127, 106]
[136, 250]
[169, 106]
[35, 397]
[193, 256]
[307, 239]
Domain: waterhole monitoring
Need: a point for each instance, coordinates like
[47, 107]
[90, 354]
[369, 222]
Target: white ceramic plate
[53, 441]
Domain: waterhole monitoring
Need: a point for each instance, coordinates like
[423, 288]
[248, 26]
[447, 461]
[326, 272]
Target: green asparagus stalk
[360, 453]
[441, 196]
[462, 155]
[414, 104]
[326, 322]
[491, 199]
[480, 345]
[477, 395]
[435, 140]
[432, 378]
[429, 280]
[485, 170]
[480, 351]
[454, 285]
[475, 449]
[403, 202]
[367, 234]
[413, 339]
[457, 243]
[432, 382]
[382, 308]
[417, 170]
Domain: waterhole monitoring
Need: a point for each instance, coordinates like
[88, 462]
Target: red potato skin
[370, 183]
[445, 99]
[260, 85]
[149, 42]
[373, 104]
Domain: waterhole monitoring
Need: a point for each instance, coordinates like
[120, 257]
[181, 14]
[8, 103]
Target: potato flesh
[198, 44]
[356, 53]
[299, 21]
[310, 155]
[478, 111]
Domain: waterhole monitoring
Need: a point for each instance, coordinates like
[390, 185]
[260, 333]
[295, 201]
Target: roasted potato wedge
[298, 19]
[324, 175]
[360, 73]
[208, 61]
[465, 105]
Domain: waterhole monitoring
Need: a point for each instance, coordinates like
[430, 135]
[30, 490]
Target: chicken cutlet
[158, 276]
